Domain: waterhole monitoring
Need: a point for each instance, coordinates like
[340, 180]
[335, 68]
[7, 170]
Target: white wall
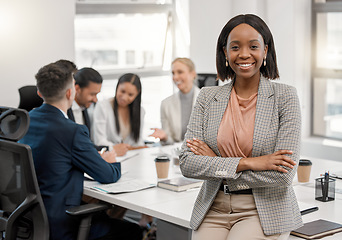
[32, 34]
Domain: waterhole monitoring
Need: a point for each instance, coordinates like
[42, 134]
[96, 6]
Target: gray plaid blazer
[277, 126]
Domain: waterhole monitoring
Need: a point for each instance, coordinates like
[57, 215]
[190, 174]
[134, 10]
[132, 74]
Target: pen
[103, 150]
[325, 186]
[335, 176]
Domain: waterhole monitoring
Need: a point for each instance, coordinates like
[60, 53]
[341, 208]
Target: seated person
[88, 83]
[62, 153]
[118, 121]
[175, 110]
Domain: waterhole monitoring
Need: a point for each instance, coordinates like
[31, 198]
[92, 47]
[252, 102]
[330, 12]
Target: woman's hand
[199, 147]
[273, 161]
[137, 147]
[121, 149]
[159, 133]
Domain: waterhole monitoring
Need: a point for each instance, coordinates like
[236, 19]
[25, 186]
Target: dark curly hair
[52, 82]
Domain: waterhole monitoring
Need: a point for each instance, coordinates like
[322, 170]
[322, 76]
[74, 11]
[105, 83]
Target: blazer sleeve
[101, 118]
[165, 121]
[204, 167]
[288, 138]
[86, 158]
[142, 122]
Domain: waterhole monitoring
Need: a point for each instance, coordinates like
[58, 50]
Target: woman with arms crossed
[243, 139]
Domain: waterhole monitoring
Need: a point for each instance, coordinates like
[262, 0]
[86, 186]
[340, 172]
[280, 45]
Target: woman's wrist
[243, 165]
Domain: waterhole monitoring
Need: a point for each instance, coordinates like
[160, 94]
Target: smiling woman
[243, 140]
[245, 54]
[176, 109]
[118, 121]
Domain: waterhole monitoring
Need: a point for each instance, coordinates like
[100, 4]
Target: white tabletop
[176, 207]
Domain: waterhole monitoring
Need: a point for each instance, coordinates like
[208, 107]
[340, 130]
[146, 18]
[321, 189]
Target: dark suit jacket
[62, 152]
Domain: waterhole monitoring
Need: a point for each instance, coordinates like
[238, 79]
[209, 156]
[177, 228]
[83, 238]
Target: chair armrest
[87, 209]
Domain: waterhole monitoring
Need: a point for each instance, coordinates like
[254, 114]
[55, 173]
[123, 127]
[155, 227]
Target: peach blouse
[235, 134]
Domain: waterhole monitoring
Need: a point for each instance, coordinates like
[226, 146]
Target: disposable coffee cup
[162, 166]
[304, 169]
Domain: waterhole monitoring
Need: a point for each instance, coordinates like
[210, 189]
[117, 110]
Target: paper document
[87, 177]
[128, 155]
[123, 185]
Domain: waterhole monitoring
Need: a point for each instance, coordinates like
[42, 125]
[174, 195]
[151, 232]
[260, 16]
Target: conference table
[173, 209]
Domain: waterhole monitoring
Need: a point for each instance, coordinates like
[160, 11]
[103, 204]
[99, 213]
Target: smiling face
[182, 76]
[245, 52]
[126, 93]
[87, 95]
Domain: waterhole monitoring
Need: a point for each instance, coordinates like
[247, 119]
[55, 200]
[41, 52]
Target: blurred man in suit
[88, 83]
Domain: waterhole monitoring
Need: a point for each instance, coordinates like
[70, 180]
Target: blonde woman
[176, 109]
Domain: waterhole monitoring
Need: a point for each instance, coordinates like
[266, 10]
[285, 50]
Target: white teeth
[245, 65]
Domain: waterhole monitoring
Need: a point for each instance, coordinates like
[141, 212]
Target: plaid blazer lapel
[263, 115]
[216, 111]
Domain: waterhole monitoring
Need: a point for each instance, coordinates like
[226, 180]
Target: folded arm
[275, 168]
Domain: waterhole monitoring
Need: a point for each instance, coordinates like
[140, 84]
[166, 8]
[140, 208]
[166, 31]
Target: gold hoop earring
[264, 62]
[227, 64]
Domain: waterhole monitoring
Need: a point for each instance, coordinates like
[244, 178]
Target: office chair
[22, 212]
[29, 98]
[206, 79]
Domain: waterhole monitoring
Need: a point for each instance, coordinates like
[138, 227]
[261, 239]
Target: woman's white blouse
[104, 130]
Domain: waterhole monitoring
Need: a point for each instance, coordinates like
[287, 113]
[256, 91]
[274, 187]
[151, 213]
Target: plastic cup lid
[162, 159]
[305, 162]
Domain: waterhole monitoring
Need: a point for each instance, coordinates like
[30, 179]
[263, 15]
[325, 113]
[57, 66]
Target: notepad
[179, 184]
[317, 229]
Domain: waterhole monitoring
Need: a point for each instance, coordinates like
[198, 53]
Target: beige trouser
[233, 217]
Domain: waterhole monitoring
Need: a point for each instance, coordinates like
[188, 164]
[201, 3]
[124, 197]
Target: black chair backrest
[13, 123]
[22, 212]
[206, 79]
[29, 98]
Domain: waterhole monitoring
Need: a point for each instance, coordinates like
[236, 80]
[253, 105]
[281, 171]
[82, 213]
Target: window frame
[330, 6]
[85, 7]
